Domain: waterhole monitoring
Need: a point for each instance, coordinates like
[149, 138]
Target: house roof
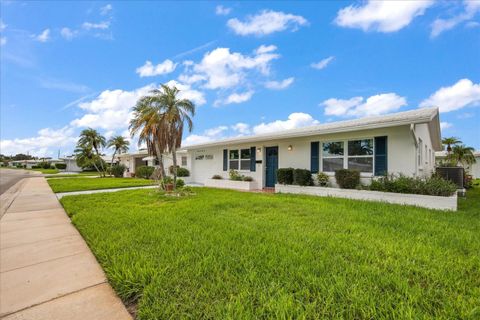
[443, 154]
[417, 116]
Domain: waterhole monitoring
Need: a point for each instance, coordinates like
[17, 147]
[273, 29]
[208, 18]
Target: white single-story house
[72, 166]
[29, 164]
[473, 169]
[403, 142]
[142, 158]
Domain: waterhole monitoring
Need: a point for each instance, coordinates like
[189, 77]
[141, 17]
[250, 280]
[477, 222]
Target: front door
[271, 166]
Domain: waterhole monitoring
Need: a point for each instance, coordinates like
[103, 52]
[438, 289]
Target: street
[8, 177]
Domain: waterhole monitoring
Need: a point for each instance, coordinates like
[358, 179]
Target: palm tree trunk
[160, 163]
[96, 168]
[113, 157]
[174, 155]
[101, 162]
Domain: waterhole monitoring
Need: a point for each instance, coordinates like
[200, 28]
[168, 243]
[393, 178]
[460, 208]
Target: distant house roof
[417, 116]
[443, 154]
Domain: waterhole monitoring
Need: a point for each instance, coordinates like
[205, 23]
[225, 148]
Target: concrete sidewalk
[46, 269]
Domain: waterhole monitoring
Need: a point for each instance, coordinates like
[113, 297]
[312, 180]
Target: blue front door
[271, 166]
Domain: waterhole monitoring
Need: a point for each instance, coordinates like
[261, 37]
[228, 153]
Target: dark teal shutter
[314, 156]
[225, 159]
[253, 159]
[381, 158]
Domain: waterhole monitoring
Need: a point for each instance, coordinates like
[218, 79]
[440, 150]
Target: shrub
[249, 179]
[36, 167]
[285, 175]
[347, 179]
[234, 175]
[217, 177]
[323, 179]
[44, 165]
[144, 172]
[181, 172]
[61, 166]
[180, 183]
[433, 186]
[302, 177]
[118, 170]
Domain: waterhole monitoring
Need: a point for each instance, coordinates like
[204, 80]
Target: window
[332, 156]
[360, 155]
[426, 156]
[419, 151]
[184, 161]
[239, 159]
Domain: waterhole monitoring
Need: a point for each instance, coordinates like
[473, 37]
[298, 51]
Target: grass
[235, 255]
[81, 184]
[73, 175]
[46, 171]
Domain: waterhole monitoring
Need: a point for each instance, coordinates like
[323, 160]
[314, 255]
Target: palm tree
[86, 158]
[449, 142]
[463, 154]
[90, 138]
[119, 143]
[147, 122]
[176, 112]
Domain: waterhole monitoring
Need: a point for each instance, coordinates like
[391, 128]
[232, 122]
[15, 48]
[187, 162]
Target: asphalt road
[8, 177]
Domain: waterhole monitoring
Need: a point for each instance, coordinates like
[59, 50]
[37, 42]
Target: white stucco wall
[401, 153]
[427, 165]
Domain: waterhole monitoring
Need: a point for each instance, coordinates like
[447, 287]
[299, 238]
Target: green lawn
[81, 184]
[46, 171]
[224, 254]
[72, 175]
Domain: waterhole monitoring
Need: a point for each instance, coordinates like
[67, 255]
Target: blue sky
[250, 67]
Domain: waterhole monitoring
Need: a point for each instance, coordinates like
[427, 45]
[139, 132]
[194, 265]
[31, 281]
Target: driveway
[8, 177]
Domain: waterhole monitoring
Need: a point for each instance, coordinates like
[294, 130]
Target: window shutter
[314, 156]
[253, 159]
[225, 159]
[381, 155]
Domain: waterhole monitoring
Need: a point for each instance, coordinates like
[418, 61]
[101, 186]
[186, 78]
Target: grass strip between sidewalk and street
[82, 184]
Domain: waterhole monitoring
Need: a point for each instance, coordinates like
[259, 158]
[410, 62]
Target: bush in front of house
[302, 177]
[144, 172]
[285, 175]
[44, 165]
[217, 177]
[247, 178]
[181, 172]
[323, 179]
[61, 166]
[347, 179]
[234, 175]
[118, 170]
[433, 186]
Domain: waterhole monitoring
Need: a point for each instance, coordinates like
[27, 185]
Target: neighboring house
[72, 166]
[403, 143]
[141, 158]
[31, 163]
[473, 169]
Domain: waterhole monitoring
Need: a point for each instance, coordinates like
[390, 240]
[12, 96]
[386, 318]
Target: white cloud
[359, 107]
[222, 11]
[462, 94]
[266, 22]
[266, 49]
[3, 41]
[235, 98]
[322, 63]
[207, 136]
[381, 16]
[68, 33]
[241, 128]
[221, 69]
[445, 125]
[51, 83]
[42, 145]
[440, 25]
[111, 109]
[295, 120]
[215, 131]
[3, 26]
[99, 26]
[44, 36]
[150, 70]
[279, 85]
[106, 9]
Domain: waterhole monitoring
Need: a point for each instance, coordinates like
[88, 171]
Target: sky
[249, 67]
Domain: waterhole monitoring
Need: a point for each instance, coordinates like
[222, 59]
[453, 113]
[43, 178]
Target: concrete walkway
[46, 269]
[73, 193]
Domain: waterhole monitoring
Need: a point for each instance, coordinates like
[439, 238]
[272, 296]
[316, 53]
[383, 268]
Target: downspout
[415, 140]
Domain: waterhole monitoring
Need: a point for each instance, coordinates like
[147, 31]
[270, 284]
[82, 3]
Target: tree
[119, 143]
[90, 140]
[159, 118]
[449, 142]
[463, 155]
[146, 122]
[85, 158]
[176, 112]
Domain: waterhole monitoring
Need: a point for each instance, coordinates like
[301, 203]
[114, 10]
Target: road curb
[7, 198]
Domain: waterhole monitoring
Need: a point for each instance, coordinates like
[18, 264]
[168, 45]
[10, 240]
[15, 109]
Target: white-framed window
[239, 159]
[360, 155]
[184, 161]
[333, 155]
[426, 154]
[419, 151]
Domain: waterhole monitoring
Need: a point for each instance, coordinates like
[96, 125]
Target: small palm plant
[119, 144]
[463, 155]
[449, 142]
[89, 145]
